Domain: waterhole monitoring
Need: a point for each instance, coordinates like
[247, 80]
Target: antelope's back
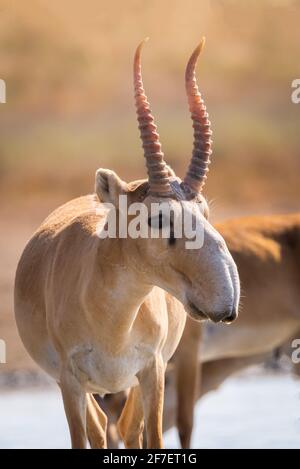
[271, 240]
[267, 252]
[63, 236]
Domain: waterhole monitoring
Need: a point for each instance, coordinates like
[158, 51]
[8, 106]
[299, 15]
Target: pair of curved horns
[158, 173]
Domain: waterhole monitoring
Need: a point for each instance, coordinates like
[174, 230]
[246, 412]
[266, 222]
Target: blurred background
[67, 65]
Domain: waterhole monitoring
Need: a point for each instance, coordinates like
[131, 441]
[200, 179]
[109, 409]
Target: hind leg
[187, 380]
[131, 421]
[96, 421]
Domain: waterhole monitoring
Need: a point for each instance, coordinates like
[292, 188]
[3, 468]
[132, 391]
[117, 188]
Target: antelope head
[204, 279]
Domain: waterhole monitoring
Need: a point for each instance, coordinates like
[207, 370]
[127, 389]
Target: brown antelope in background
[104, 315]
[266, 250]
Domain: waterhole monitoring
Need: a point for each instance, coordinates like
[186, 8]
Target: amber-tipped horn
[159, 183]
[198, 168]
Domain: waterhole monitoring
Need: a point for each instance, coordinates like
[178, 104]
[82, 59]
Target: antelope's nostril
[232, 315]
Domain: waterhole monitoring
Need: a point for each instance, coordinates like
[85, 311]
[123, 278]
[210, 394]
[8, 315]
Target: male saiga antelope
[102, 315]
[266, 250]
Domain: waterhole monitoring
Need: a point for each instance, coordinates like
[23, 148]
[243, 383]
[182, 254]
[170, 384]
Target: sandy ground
[256, 411]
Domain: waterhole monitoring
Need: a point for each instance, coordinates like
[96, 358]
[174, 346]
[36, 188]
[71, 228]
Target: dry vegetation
[68, 65]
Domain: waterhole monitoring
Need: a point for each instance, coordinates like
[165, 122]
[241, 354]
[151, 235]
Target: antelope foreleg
[151, 381]
[74, 398]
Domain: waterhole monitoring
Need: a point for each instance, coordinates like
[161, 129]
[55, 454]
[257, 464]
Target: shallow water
[246, 412]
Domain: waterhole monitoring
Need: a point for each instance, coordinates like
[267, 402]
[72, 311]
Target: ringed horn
[159, 183]
[198, 168]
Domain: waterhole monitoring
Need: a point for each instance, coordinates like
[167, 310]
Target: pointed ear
[108, 186]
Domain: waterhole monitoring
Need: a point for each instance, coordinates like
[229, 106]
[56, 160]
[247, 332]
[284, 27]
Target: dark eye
[172, 239]
[157, 222]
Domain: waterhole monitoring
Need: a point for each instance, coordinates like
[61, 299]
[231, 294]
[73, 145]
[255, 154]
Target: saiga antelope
[266, 250]
[102, 315]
